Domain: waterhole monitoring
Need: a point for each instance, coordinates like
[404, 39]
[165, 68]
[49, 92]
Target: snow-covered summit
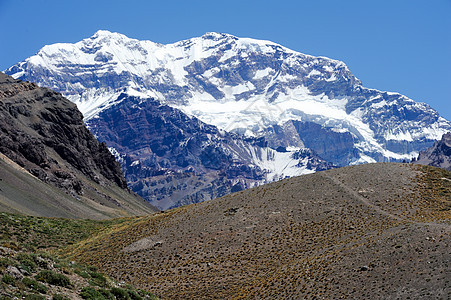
[247, 86]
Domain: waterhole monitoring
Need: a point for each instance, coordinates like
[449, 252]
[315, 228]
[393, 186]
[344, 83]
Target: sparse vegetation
[304, 237]
[22, 244]
[53, 278]
[373, 229]
[34, 285]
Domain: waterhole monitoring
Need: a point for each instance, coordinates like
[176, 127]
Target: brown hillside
[51, 165]
[376, 231]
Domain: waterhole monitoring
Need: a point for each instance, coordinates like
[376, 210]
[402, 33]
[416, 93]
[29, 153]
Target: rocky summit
[258, 92]
[52, 165]
[242, 85]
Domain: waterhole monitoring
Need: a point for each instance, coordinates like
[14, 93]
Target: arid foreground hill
[51, 165]
[376, 231]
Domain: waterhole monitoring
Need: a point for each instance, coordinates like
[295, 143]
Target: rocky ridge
[282, 113]
[172, 159]
[241, 85]
[439, 155]
[43, 133]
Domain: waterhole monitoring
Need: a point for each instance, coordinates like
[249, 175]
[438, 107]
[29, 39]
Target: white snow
[154, 64]
[313, 73]
[328, 68]
[259, 74]
[379, 104]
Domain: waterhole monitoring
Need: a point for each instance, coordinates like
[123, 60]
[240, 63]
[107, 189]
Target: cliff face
[44, 133]
[439, 155]
[38, 123]
[172, 159]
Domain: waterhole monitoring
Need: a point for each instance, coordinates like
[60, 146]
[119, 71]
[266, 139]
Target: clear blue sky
[394, 45]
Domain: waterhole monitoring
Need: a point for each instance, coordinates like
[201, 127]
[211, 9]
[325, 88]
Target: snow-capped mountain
[247, 89]
[172, 159]
[247, 86]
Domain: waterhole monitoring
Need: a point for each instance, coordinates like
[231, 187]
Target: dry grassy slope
[376, 231]
[21, 192]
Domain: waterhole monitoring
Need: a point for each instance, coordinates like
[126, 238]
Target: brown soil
[376, 231]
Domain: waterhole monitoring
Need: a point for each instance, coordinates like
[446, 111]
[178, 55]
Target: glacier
[246, 87]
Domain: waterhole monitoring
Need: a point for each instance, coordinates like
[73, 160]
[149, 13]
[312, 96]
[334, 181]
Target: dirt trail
[358, 196]
[362, 199]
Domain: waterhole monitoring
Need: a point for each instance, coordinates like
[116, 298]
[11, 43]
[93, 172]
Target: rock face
[44, 133]
[439, 155]
[173, 159]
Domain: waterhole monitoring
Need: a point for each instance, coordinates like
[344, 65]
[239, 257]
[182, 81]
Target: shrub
[8, 279]
[27, 262]
[91, 293]
[107, 294]
[33, 284]
[82, 274]
[120, 293]
[53, 278]
[134, 295]
[60, 297]
[11, 245]
[98, 279]
[4, 262]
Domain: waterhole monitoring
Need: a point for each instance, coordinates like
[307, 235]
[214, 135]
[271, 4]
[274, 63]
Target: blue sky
[394, 45]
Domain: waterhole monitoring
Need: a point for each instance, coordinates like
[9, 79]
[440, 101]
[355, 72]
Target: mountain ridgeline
[52, 165]
[261, 112]
[172, 159]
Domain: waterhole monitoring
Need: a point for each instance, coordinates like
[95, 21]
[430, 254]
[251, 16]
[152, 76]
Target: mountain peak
[106, 37]
[106, 33]
[102, 32]
[217, 35]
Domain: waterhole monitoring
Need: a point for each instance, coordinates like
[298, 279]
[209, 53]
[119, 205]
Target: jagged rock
[44, 133]
[439, 155]
[266, 94]
[35, 120]
[246, 86]
[14, 272]
[172, 159]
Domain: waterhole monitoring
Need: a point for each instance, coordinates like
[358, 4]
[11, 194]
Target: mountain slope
[242, 85]
[172, 159]
[53, 165]
[31, 267]
[439, 155]
[375, 231]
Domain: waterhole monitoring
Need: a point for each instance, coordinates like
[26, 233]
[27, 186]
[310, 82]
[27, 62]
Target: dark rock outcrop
[172, 159]
[35, 122]
[439, 155]
[44, 133]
